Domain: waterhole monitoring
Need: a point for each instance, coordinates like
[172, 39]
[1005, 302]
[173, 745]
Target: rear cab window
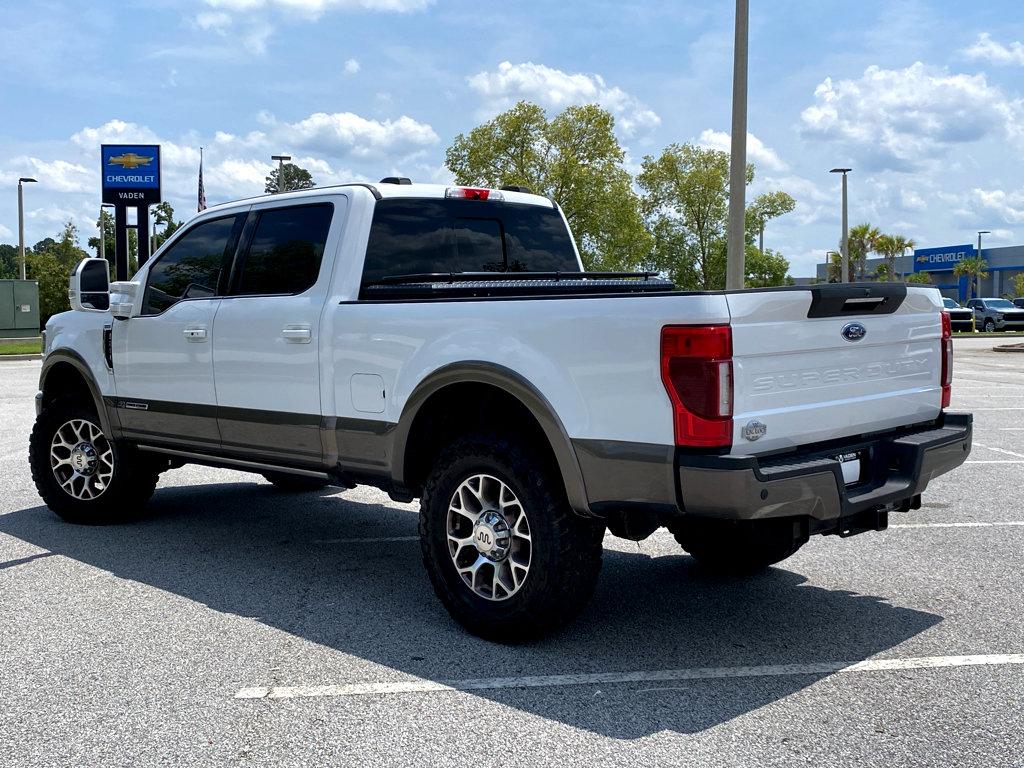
[416, 236]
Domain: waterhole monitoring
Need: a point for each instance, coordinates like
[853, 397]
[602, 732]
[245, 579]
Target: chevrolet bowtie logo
[129, 160]
[922, 259]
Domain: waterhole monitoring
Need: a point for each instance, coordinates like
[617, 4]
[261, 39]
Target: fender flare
[76, 361]
[518, 387]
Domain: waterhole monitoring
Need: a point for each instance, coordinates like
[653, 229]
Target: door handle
[194, 334]
[297, 334]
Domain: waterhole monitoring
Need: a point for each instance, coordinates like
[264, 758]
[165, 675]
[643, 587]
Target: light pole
[844, 245]
[21, 225]
[281, 159]
[103, 231]
[736, 243]
[980, 233]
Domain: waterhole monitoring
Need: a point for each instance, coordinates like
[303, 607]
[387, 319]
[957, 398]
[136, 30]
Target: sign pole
[120, 242]
[142, 222]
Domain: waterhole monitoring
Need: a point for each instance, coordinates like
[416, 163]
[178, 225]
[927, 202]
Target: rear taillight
[473, 193]
[696, 368]
[947, 359]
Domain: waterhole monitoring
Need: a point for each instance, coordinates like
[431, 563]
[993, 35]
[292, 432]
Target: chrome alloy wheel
[82, 459]
[489, 537]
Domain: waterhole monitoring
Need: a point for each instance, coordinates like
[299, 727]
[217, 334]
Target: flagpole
[201, 202]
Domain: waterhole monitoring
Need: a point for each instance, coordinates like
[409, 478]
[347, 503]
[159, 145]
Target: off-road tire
[131, 484]
[296, 484]
[739, 547]
[565, 547]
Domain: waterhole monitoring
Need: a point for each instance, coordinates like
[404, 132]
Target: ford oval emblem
[754, 429]
[854, 332]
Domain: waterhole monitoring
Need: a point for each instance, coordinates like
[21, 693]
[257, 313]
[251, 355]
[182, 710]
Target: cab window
[192, 267]
[286, 249]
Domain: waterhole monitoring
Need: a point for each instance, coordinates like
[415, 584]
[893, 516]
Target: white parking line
[961, 525]
[1000, 451]
[994, 462]
[424, 686]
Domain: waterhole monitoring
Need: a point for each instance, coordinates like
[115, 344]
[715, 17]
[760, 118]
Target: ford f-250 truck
[445, 343]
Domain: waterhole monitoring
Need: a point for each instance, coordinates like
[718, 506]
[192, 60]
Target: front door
[163, 359]
[266, 333]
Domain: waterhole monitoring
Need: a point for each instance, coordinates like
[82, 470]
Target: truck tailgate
[798, 374]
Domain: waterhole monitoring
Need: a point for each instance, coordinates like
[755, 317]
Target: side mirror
[89, 286]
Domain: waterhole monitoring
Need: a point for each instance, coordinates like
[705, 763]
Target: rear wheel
[505, 554]
[990, 325]
[82, 475]
[295, 483]
[739, 547]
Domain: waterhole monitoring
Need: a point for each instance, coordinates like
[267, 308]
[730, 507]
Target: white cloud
[554, 88]
[987, 49]
[899, 119]
[1006, 206]
[348, 133]
[352, 66]
[761, 155]
[315, 8]
[217, 21]
[5, 232]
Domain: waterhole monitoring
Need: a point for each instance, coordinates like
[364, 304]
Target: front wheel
[505, 554]
[990, 325]
[739, 547]
[82, 475]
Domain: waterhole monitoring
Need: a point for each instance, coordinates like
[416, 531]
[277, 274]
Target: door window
[191, 267]
[286, 250]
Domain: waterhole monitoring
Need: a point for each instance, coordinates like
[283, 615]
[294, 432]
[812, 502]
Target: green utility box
[19, 309]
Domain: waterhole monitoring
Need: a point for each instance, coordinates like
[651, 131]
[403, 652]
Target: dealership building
[1003, 264]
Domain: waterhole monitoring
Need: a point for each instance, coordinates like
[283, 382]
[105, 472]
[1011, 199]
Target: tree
[1018, 283]
[685, 194]
[767, 268]
[764, 208]
[835, 266]
[295, 178]
[974, 268]
[861, 241]
[573, 158]
[163, 216]
[105, 223]
[8, 262]
[920, 277]
[50, 262]
[892, 246]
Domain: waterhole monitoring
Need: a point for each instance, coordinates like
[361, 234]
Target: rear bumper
[898, 466]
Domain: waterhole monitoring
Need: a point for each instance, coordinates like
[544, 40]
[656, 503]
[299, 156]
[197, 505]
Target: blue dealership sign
[131, 173]
[940, 258]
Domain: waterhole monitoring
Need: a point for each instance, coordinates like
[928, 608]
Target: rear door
[833, 362]
[265, 336]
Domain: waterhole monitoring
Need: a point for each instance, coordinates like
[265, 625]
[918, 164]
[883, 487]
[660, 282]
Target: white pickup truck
[444, 343]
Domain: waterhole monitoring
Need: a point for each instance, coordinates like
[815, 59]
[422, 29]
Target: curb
[30, 356]
[1008, 348]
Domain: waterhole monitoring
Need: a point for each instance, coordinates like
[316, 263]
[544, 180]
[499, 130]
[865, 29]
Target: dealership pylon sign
[130, 178]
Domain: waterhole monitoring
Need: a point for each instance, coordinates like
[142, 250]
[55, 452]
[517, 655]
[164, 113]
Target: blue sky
[925, 100]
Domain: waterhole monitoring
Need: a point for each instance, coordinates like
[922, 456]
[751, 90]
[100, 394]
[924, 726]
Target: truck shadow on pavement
[247, 550]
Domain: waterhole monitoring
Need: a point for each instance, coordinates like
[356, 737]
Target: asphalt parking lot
[239, 625]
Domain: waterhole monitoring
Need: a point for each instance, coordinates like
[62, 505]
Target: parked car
[445, 343]
[961, 318]
[1019, 302]
[993, 314]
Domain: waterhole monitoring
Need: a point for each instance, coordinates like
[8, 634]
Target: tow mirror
[89, 286]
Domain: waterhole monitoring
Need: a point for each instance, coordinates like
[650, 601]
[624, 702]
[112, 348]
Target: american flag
[202, 192]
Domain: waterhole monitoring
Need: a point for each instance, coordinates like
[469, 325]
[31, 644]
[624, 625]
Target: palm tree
[892, 246]
[974, 268]
[861, 241]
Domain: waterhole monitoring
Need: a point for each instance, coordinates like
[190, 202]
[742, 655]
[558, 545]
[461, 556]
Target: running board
[241, 464]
